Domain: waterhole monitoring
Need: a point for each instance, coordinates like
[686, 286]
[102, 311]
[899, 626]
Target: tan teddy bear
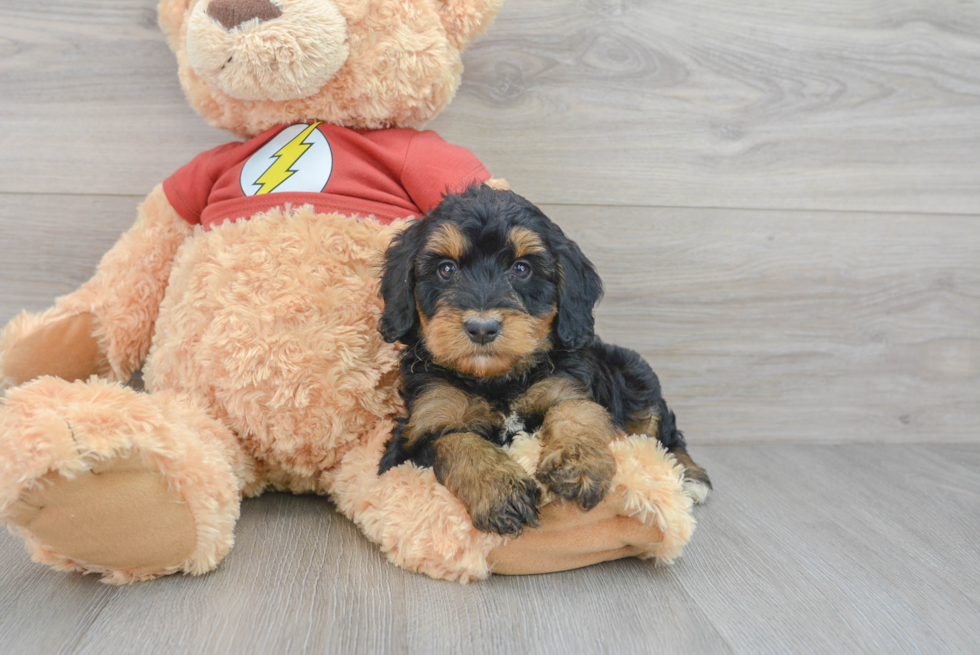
[247, 290]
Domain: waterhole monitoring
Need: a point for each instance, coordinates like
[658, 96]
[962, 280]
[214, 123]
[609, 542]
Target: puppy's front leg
[496, 491]
[576, 462]
[443, 431]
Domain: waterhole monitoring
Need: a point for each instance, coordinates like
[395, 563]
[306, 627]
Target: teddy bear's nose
[232, 13]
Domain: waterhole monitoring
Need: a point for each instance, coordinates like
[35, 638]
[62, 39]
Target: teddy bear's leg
[104, 327]
[422, 527]
[417, 522]
[99, 478]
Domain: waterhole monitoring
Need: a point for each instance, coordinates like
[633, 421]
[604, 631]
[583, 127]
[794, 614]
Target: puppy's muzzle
[482, 330]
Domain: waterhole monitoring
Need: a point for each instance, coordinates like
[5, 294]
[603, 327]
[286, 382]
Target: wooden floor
[784, 201]
[805, 548]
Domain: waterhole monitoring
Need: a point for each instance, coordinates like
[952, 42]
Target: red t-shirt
[390, 174]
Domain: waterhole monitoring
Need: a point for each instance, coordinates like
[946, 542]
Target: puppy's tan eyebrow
[525, 242]
[447, 240]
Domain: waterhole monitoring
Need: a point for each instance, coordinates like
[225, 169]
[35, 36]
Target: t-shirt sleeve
[434, 168]
[189, 188]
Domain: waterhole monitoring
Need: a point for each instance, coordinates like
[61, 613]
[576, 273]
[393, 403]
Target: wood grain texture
[52, 244]
[624, 607]
[91, 101]
[795, 326]
[845, 104]
[763, 326]
[840, 549]
[848, 548]
[301, 579]
[42, 611]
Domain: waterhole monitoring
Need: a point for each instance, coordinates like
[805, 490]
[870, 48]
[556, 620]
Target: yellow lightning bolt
[281, 170]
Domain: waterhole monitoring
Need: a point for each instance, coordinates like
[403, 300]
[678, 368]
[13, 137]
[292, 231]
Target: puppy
[494, 304]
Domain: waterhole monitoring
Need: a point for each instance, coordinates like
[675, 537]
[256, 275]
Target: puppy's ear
[398, 285]
[579, 289]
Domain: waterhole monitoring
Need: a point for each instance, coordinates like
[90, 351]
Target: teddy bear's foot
[120, 514]
[35, 345]
[98, 478]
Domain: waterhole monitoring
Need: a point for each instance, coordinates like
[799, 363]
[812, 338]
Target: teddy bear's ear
[465, 20]
[171, 15]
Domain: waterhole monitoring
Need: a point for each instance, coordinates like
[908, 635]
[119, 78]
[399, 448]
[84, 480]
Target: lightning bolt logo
[282, 168]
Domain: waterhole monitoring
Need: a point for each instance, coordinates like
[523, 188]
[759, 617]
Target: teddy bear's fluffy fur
[258, 340]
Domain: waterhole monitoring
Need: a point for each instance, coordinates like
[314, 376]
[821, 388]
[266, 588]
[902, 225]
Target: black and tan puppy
[494, 304]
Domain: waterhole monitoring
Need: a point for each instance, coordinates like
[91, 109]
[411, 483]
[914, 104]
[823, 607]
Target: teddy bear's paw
[34, 345]
[578, 473]
[120, 515]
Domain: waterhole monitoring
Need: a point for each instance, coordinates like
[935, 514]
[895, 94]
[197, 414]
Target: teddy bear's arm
[422, 527]
[569, 538]
[104, 327]
[467, 19]
[646, 514]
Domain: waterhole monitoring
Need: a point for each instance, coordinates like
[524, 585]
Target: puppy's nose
[232, 13]
[482, 330]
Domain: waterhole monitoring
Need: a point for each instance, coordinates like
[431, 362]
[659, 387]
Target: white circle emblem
[296, 159]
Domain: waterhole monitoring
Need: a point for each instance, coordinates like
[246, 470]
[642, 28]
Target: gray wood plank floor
[804, 548]
[784, 202]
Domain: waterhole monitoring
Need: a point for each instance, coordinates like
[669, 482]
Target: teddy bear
[247, 291]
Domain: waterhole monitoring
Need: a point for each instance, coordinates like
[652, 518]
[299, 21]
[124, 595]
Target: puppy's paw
[582, 475]
[697, 484]
[506, 504]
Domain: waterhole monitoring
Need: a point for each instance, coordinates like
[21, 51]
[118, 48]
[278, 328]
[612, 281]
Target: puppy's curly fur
[494, 304]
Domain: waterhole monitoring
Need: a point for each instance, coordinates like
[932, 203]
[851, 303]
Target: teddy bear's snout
[265, 50]
[232, 13]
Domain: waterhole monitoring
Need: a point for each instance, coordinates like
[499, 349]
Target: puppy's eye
[447, 269]
[521, 269]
